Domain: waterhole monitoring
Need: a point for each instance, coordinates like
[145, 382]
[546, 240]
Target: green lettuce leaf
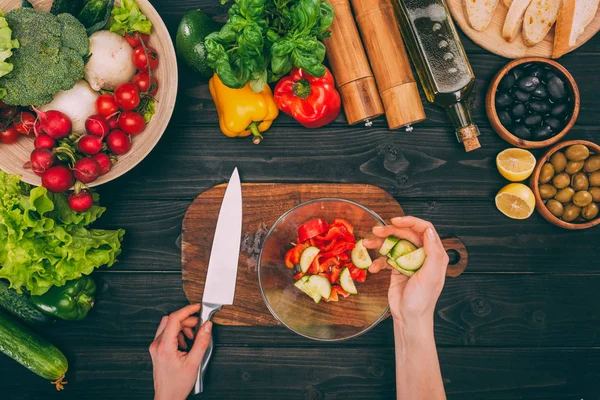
[6, 46]
[127, 17]
[43, 243]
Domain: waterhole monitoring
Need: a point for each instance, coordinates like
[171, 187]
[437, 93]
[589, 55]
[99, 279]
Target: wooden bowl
[490, 105]
[534, 184]
[12, 157]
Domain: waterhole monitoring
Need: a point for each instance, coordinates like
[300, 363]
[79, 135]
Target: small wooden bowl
[535, 179]
[12, 157]
[490, 104]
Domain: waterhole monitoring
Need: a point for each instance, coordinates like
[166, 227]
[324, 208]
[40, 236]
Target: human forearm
[418, 374]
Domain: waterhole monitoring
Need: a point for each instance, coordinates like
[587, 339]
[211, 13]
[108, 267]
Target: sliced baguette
[479, 12]
[573, 18]
[539, 18]
[514, 19]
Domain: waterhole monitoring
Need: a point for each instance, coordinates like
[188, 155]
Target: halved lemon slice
[516, 201]
[516, 165]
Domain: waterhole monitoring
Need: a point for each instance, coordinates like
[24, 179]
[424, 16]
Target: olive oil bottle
[440, 61]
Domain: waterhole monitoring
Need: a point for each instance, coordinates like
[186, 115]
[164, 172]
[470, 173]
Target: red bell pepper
[344, 223]
[312, 101]
[339, 249]
[298, 275]
[340, 291]
[333, 296]
[311, 229]
[292, 257]
[335, 273]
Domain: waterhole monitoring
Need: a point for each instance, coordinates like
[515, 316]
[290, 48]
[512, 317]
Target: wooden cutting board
[491, 38]
[263, 204]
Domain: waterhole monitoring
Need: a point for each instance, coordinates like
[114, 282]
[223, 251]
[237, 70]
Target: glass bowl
[326, 321]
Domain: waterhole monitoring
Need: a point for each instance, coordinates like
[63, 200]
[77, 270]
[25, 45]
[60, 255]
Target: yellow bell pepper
[242, 111]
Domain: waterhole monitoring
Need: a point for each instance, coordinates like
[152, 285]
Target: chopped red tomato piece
[312, 228]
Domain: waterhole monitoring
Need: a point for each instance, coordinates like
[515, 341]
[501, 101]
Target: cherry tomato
[131, 122]
[145, 83]
[127, 96]
[9, 136]
[106, 105]
[141, 61]
[25, 122]
[133, 38]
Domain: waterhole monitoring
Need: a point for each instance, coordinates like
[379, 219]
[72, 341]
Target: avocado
[193, 28]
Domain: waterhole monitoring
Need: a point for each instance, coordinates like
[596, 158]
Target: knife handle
[206, 313]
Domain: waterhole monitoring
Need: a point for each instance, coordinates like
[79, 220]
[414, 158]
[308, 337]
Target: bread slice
[573, 18]
[479, 13]
[539, 18]
[514, 19]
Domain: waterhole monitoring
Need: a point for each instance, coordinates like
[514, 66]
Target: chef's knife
[219, 288]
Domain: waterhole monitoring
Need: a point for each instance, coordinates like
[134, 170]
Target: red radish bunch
[58, 179]
[42, 160]
[54, 123]
[81, 201]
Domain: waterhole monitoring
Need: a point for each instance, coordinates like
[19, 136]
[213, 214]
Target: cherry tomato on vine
[127, 96]
[141, 61]
[145, 83]
[133, 38]
[106, 105]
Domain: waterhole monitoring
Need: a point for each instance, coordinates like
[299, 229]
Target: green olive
[595, 179]
[561, 180]
[590, 211]
[571, 213]
[558, 161]
[547, 191]
[555, 207]
[547, 173]
[592, 164]
[595, 192]
[577, 152]
[574, 167]
[580, 181]
[582, 199]
[565, 195]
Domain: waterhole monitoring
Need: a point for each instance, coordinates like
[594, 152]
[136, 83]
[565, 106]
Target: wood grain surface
[263, 204]
[491, 39]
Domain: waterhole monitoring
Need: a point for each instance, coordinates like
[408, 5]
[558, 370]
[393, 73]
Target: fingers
[203, 337]
[161, 326]
[189, 333]
[373, 243]
[181, 341]
[414, 223]
[402, 233]
[189, 322]
[174, 324]
[378, 265]
[436, 263]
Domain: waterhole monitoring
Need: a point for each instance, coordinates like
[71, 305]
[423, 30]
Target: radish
[86, 170]
[90, 144]
[54, 123]
[113, 122]
[118, 142]
[97, 125]
[104, 162]
[44, 142]
[58, 179]
[41, 160]
[81, 202]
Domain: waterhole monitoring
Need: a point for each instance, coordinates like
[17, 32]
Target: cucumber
[412, 261]
[403, 247]
[388, 245]
[302, 285]
[319, 284]
[307, 257]
[20, 305]
[32, 351]
[360, 256]
[346, 282]
[394, 264]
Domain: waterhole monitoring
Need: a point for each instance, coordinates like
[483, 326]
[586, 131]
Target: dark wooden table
[522, 323]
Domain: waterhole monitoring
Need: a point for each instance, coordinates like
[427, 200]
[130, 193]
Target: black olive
[542, 133]
[534, 70]
[522, 132]
[540, 92]
[505, 118]
[549, 73]
[529, 83]
[517, 73]
[554, 123]
[503, 100]
[521, 96]
[533, 120]
[556, 88]
[507, 83]
[540, 107]
[558, 110]
[518, 110]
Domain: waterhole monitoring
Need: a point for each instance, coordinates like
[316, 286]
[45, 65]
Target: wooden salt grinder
[380, 33]
[350, 67]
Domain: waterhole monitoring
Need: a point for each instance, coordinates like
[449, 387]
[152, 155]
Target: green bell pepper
[70, 302]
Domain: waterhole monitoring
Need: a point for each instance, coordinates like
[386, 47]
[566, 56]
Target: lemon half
[516, 201]
[516, 165]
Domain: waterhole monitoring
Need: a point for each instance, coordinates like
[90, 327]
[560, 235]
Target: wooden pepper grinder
[381, 37]
[350, 67]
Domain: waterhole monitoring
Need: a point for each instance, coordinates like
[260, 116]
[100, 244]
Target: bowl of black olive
[533, 102]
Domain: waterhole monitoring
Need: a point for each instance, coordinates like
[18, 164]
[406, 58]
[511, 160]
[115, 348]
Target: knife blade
[219, 288]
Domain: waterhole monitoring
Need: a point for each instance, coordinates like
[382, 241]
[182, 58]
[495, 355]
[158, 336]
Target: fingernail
[396, 219]
[430, 234]
[208, 327]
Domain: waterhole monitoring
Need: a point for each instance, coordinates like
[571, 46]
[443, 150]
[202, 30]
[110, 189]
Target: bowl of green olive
[566, 184]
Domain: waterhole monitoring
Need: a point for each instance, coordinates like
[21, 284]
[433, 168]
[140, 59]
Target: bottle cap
[468, 136]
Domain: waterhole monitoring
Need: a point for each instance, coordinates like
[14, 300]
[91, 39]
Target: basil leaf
[326, 15]
[259, 81]
[304, 15]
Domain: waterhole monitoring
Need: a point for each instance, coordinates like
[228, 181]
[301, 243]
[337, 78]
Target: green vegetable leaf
[26, 4]
[128, 17]
[326, 15]
[259, 81]
[96, 14]
[148, 109]
[231, 71]
[6, 46]
[304, 16]
[72, 7]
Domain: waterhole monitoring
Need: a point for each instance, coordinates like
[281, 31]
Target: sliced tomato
[312, 228]
[344, 223]
[298, 275]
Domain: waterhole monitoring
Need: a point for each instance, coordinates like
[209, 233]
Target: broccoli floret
[50, 58]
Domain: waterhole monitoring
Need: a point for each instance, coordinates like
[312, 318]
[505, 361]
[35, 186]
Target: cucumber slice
[307, 257]
[346, 282]
[394, 264]
[402, 248]
[360, 256]
[319, 284]
[412, 261]
[302, 285]
[388, 245]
